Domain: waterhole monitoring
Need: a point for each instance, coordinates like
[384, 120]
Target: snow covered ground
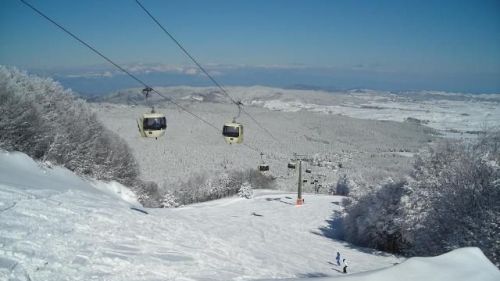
[372, 135]
[370, 150]
[460, 264]
[460, 115]
[456, 113]
[57, 226]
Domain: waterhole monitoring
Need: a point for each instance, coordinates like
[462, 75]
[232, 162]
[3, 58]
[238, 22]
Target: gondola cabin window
[155, 123]
[232, 132]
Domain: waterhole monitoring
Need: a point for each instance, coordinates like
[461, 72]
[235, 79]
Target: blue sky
[442, 45]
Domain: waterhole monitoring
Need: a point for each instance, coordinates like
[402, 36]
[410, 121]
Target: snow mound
[462, 264]
[118, 190]
[20, 171]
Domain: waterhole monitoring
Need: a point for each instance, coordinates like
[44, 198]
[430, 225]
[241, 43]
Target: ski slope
[57, 226]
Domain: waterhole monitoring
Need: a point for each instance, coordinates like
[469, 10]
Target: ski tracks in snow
[91, 236]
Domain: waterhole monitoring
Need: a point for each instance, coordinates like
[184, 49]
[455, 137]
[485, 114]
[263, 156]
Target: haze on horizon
[387, 45]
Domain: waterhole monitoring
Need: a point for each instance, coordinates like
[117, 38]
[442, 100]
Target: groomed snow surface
[57, 226]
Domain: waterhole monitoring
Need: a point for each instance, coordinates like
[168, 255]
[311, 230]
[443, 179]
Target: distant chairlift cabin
[262, 167]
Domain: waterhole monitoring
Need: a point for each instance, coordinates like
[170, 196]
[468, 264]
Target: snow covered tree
[455, 199]
[258, 179]
[342, 187]
[169, 201]
[450, 201]
[201, 187]
[375, 219]
[148, 194]
[45, 121]
[245, 191]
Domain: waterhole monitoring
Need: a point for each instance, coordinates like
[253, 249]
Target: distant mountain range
[102, 79]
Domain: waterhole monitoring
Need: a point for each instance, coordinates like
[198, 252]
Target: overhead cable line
[124, 70]
[117, 65]
[204, 71]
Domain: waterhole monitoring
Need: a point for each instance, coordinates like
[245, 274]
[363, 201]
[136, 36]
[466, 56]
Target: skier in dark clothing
[338, 258]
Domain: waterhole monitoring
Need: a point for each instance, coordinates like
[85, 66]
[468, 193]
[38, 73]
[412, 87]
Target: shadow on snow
[335, 231]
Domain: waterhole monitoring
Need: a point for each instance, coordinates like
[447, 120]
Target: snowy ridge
[56, 226]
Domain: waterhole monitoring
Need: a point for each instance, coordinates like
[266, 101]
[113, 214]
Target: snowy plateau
[56, 226]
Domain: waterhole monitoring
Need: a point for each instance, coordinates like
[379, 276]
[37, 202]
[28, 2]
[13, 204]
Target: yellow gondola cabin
[152, 125]
[233, 132]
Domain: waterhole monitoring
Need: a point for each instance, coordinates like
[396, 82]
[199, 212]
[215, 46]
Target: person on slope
[338, 258]
[344, 261]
